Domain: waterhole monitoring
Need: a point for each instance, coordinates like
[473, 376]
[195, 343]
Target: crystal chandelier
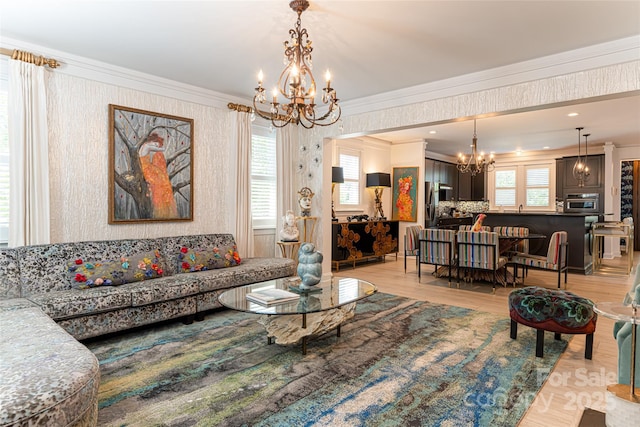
[580, 169]
[297, 85]
[475, 163]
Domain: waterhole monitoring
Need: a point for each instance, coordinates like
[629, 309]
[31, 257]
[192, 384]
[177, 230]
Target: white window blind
[4, 157]
[263, 181]
[505, 188]
[349, 191]
[537, 184]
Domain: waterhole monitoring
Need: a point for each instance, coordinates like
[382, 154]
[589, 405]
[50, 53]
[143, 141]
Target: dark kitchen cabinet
[596, 175]
[448, 174]
[478, 188]
[429, 166]
[436, 171]
[471, 187]
[559, 179]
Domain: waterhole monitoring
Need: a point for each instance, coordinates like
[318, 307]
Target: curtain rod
[246, 109]
[21, 55]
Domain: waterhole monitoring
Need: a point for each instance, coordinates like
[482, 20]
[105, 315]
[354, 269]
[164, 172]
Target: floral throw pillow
[90, 274]
[192, 259]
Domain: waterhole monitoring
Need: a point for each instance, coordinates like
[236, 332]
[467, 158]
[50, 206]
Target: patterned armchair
[479, 250]
[437, 247]
[411, 244]
[522, 247]
[556, 259]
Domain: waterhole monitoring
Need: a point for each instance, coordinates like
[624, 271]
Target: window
[263, 179]
[528, 185]
[505, 187]
[4, 157]
[537, 186]
[349, 191]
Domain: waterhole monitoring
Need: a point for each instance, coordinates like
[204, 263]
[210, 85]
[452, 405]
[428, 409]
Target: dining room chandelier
[475, 163]
[297, 84]
[581, 170]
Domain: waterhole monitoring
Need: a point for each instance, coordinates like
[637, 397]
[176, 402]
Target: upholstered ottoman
[555, 311]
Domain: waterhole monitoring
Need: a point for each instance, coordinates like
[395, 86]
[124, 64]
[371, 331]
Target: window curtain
[241, 136]
[29, 218]
[286, 149]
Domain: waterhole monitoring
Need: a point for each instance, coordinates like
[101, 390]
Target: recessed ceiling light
[432, 132]
[573, 114]
[518, 152]
[546, 147]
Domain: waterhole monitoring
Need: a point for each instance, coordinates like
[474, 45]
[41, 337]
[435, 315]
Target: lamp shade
[337, 175]
[378, 179]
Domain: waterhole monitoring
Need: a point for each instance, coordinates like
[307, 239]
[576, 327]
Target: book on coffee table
[272, 296]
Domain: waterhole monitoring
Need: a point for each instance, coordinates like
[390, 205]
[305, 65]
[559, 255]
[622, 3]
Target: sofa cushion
[89, 274]
[9, 274]
[173, 247]
[197, 259]
[15, 304]
[212, 279]
[254, 270]
[163, 289]
[74, 302]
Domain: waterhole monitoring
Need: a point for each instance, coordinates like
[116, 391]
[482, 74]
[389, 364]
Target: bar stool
[617, 229]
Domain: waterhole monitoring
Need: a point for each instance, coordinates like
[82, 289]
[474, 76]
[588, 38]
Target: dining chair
[480, 250]
[437, 247]
[521, 247]
[469, 227]
[556, 259]
[411, 244]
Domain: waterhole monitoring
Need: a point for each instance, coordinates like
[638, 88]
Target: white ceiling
[370, 47]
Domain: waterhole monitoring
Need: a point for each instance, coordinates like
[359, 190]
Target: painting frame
[405, 200]
[150, 166]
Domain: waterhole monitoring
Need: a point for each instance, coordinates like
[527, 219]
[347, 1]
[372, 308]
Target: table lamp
[337, 177]
[378, 181]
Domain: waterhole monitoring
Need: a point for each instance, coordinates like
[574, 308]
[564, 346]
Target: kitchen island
[576, 225]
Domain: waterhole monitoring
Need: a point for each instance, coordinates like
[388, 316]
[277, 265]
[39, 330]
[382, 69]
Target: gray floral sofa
[53, 295]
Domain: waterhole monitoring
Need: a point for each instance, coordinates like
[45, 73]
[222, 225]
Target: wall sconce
[378, 181]
[337, 177]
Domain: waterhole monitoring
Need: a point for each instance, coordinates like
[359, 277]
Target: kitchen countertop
[544, 213]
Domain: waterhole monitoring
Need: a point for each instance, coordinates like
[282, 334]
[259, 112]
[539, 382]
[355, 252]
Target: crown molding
[103, 72]
[596, 56]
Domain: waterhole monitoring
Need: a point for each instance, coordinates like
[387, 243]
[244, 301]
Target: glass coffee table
[326, 307]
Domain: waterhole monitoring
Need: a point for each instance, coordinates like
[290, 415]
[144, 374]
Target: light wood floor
[575, 383]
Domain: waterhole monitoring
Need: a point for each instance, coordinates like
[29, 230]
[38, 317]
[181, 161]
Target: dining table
[506, 245]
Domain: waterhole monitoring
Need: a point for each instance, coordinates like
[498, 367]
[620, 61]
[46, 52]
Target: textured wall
[78, 158]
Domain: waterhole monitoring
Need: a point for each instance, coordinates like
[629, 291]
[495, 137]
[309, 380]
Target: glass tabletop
[616, 311]
[328, 294]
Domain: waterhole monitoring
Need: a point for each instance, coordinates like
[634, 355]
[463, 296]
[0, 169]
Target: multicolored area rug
[399, 362]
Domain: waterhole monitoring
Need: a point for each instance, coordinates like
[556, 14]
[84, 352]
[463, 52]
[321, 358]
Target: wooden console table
[362, 240]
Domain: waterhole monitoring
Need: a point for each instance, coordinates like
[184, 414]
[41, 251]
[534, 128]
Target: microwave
[582, 203]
